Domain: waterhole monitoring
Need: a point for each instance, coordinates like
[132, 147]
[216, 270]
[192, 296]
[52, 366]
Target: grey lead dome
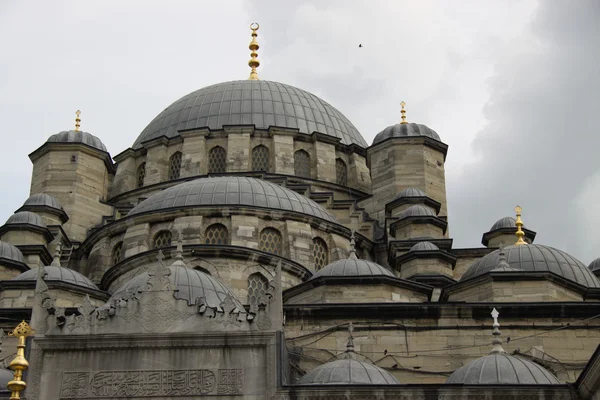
[502, 369]
[232, 191]
[353, 267]
[506, 222]
[26, 217]
[406, 130]
[11, 253]
[55, 273]
[42, 199]
[348, 372]
[77, 137]
[248, 102]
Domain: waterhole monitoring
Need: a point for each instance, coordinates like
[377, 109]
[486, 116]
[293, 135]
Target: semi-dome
[502, 369]
[416, 211]
[506, 222]
[191, 284]
[411, 192]
[251, 102]
[353, 267]
[424, 246]
[595, 265]
[535, 257]
[42, 200]
[348, 372]
[11, 253]
[229, 191]
[77, 137]
[406, 130]
[56, 273]
[26, 218]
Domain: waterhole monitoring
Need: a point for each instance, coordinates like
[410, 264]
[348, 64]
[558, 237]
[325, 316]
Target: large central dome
[259, 103]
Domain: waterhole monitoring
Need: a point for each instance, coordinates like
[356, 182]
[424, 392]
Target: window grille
[260, 158]
[175, 166]
[257, 288]
[302, 164]
[216, 234]
[341, 172]
[162, 239]
[270, 241]
[141, 175]
[320, 253]
[217, 160]
[117, 253]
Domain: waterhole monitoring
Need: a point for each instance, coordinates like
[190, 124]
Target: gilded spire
[496, 342]
[403, 112]
[19, 363]
[77, 120]
[253, 63]
[519, 224]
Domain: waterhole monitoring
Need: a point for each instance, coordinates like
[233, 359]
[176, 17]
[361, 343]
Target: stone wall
[364, 293]
[21, 298]
[515, 291]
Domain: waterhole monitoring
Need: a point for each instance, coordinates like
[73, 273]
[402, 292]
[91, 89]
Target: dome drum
[27, 221]
[503, 233]
[42, 203]
[402, 202]
[417, 215]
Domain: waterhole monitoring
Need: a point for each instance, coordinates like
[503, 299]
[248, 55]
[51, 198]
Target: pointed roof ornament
[253, 63]
[519, 224]
[350, 344]
[352, 255]
[179, 251]
[502, 263]
[77, 120]
[496, 342]
[403, 112]
[57, 253]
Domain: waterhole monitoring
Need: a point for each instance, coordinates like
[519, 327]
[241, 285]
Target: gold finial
[253, 63]
[403, 112]
[19, 363]
[519, 224]
[77, 120]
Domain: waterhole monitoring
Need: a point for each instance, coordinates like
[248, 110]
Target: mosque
[250, 244]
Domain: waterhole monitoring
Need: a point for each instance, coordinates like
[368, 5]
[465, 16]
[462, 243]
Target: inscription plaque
[151, 383]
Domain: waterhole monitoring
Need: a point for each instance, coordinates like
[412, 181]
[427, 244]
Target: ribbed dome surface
[536, 257]
[411, 192]
[26, 217]
[353, 267]
[348, 372]
[10, 252]
[405, 130]
[191, 284]
[232, 191]
[595, 265]
[77, 137]
[416, 211]
[42, 199]
[424, 246]
[506, 222]
[55, 273]
[260, 103]
[502, 369]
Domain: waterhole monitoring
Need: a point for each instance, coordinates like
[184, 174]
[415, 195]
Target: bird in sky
[360, 45]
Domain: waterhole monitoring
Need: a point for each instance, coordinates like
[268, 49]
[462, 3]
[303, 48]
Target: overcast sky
[513, 87]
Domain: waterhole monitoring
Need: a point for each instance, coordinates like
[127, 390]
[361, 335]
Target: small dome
[411, 192]
[55, 273]
[424, 246]
[405, 130]
[232, 191]
[26, 217]
[506, 222]
[595, 265]
[348, 372]
[42, 199]
[249, 102]
[504, 268]
[535, 257]
[191, 285]
[6, 376]
[353, 267]
[502, 369]
[77, 137]
[416, 211]
[11, 253]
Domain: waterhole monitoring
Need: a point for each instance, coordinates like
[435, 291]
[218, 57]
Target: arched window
[257, 288]
[202, 270]
[141, 175]
[302, 164]
[260, 158]
[341, 172]
[320, 253]
[270, 241]
[117, 253]
[162, 239]
[216, 234]
[217, 160]
[175, 166]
